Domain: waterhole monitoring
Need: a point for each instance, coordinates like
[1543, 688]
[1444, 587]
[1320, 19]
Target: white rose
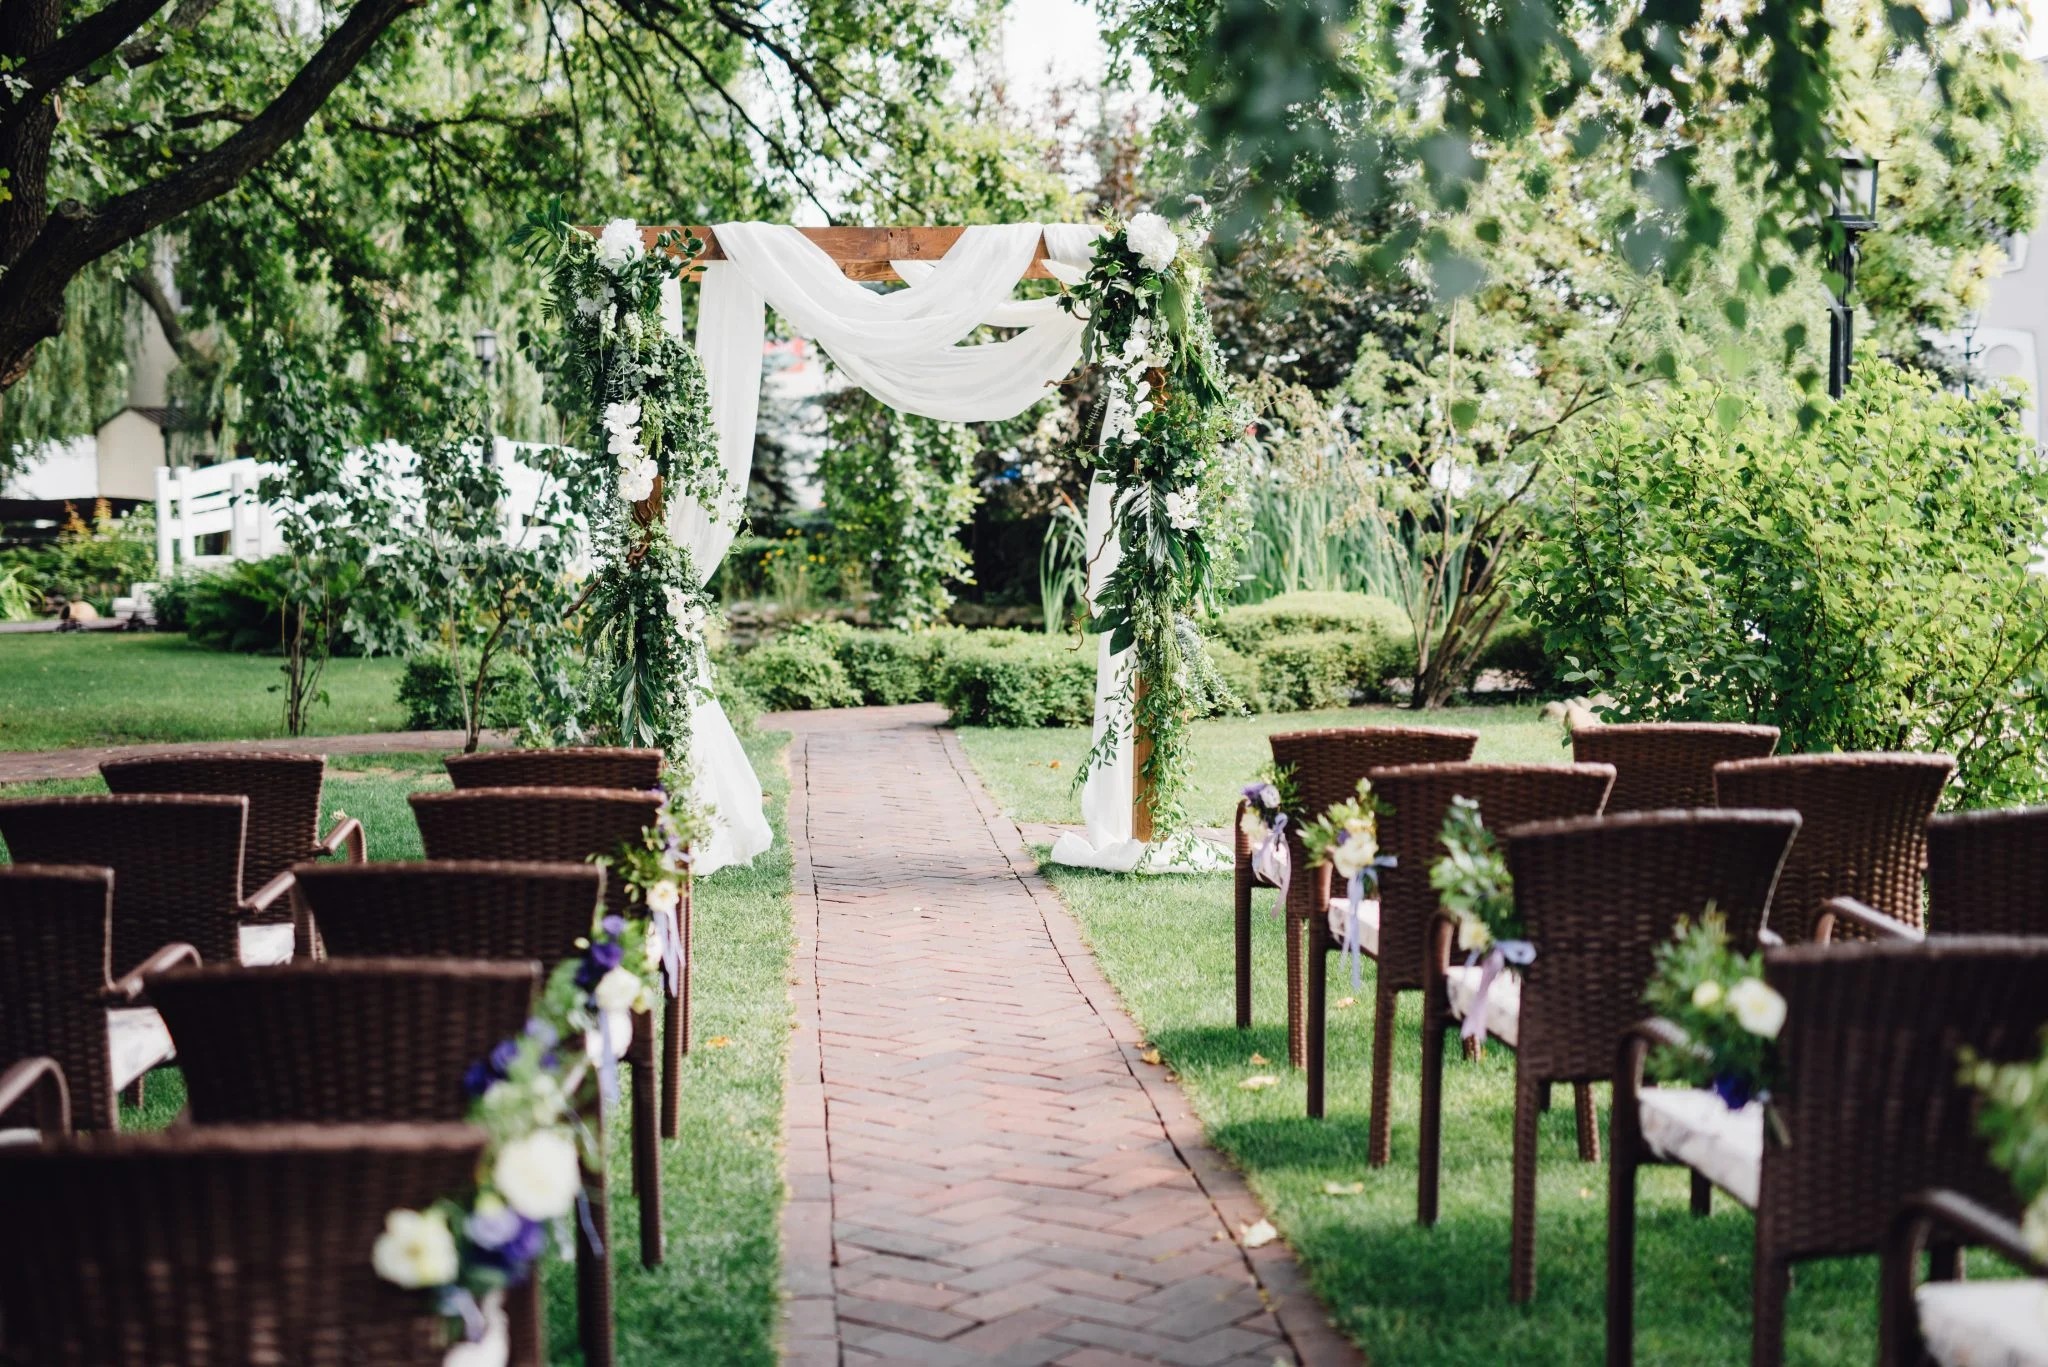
[1353, 856]
[1184, 509]
[638, 482]
[664, 897]
[2034, 1226]
[1253, 828]
[539, 1174]
[1153, 239]
[1473, 934]
[1707, 995]
[617, 990]
[1757, 1006]
[416, 1249]
[620, 243]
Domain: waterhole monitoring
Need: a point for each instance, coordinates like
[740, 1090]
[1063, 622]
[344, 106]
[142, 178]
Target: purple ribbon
[607, 1059]
[1272, 861]
[1503, 953]
[1355, 890]
[669, 932]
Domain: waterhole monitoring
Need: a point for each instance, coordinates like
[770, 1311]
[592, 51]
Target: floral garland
[1181, 503]
[1472, 883]
[529, 1094]
[2014, 1120]
[625, 378]
[1347, 838]
[1731, 1017]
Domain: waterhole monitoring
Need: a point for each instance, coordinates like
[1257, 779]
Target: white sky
[1060, 36]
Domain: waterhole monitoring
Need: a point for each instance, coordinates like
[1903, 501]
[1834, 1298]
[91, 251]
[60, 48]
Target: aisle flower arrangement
[1271, 802]
[1181, 502]
[530, 1095]
[635, 397]
[1347, 838]
[1472, 883]
[1730, 1015]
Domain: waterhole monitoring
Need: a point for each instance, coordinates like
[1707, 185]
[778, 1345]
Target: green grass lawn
[1032, 772]
[61, 689]
[1407, 1294]
[715, 1298]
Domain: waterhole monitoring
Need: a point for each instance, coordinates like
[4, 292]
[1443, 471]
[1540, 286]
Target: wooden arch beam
[863, 253]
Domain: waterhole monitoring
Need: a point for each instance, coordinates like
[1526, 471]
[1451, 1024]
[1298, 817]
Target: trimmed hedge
[1313, 650]
[432, 698]
[1017, 678]
[797, 671]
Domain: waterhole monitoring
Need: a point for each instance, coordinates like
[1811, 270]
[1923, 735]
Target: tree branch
[76, 48]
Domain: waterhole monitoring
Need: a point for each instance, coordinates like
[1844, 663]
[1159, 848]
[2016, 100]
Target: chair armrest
[1922, 1220]
[348, 830]
[1766, 938]
[1636, 1043]
[1875, 922]
[42, 1079]
[259, 906]
[1240, 843]
[130, 986]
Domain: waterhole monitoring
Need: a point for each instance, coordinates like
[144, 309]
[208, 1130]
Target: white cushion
[137, 1041]
[1693, 1126]
[16, 1138]
[1368, 923]
[1503, 1000]
[1985, 1324]
[264, 946]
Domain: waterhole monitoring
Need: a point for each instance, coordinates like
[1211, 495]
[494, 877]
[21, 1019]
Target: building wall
[131, 448]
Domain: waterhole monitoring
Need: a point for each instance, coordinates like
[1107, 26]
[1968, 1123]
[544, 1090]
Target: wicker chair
[1987, 872]
[284, 802]
[568, 767]
[1868, 1096]
[1417, 797]
[1599, 895]
[35, 1087]
[571, 825]
[177, 865]
[1661, 766]
[221, 1247]
[1864, 837]
[1948, 1323]
[1327, 765]
[381, 1041]
[55, 997]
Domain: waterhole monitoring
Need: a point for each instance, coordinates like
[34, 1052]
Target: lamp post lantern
[485, 345]
[1855, 213]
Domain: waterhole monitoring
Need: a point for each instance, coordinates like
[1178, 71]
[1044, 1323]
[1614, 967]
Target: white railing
[206, 501]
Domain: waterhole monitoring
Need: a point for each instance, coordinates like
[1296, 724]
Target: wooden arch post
[867, 254]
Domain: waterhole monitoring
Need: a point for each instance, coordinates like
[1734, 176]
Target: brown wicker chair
[1328, 764]
[1956, 1221]
[1417, 796]
[571, 825]
[380, 1041]
[177, 865]
[55, 996]
[1864, 837]
[566, 767]
[1661, 766]
[284, 802]
[1869, 1098]
[1599, 895]
[35, 1087]
[1987, 872]
[221, 1247]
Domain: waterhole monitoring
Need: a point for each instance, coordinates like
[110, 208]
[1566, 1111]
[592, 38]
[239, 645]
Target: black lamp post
[485, 345]
[1855, 201]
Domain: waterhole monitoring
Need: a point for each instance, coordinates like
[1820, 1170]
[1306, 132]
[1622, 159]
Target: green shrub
[1516, 647]
[1861, 583]
[241, 608]
[1015, 678]
[797, 671]
[431, 697]
[892, 667]
[1291, 614]
[1317, 635]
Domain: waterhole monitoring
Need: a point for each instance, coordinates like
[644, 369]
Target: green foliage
[436, 695]
[1011, 678]
[81, 375]
[20, 598]
[899, 487]
[798, 671]
[243, 607]
[1862, 585]
[892, 667]
[2014, 1119]
[1063, 567]
[1310, 670]
[1516, 648]
[92, 561]
[1249, 626]
[1720, 1000]
[1472, 882]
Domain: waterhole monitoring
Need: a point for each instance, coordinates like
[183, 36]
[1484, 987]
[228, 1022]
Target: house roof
[170, 419]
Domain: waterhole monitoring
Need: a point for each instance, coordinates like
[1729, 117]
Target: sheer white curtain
[901, 346]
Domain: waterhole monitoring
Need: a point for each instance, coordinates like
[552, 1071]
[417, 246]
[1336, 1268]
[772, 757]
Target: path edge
[808, 1334]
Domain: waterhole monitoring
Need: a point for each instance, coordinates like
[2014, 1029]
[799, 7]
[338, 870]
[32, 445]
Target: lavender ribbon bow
[1354, 889]
[1502, 954]
[1272, 862]
[668, 933]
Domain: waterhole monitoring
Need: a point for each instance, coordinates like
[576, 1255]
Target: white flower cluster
[1755, 1004]
[637, 470]
[540, 1173]
[1360, 846]
[416, 1249]
[687, 610]
[1184, 509]
[1153, 239]
[619, 244]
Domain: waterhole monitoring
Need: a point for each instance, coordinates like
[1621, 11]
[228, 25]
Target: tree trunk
[28, 28]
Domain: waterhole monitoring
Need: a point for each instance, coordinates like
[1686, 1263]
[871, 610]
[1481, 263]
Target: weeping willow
[79, 377]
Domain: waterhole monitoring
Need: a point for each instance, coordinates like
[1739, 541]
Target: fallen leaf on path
[1343, 1188]
[718, 1041]
[1258, 1059]
[1149, 1056]
[1258, 1082]
[1054, 765]
[1258, 1234]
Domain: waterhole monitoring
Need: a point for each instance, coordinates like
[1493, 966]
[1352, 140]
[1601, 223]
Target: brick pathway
[981, 1168]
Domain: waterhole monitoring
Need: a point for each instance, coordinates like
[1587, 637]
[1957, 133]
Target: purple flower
[504, 1056]
[542, 1033]
[508, 1239]
[477, 1078]
[606, 954]
[613, 925]
[1735, 1092]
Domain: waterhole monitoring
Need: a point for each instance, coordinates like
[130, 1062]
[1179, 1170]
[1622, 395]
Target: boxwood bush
[1017, 678]
[430, 694]
[1309, 650]
[797, 671]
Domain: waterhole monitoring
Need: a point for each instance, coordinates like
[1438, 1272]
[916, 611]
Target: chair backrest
[1987, 872]
[1659, 766]
[53, 975]
[283, 793]
[589, 766]
[1418, 796]
[220, 1247]
[1600, 894]
[358, 1040]
[1329, 762]
[177, 864]
[1868, 1088]
[462, 909]
[549, 825]
[1864, 833]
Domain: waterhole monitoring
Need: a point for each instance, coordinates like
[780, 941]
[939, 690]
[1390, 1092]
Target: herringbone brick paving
[979, 1170]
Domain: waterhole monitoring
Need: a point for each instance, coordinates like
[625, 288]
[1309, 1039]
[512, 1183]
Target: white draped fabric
[903, 347]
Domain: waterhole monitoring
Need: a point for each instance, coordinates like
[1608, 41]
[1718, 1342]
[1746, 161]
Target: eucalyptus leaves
[639, 395]
[1180, 503]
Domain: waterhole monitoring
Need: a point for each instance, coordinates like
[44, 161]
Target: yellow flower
[1707, 995]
